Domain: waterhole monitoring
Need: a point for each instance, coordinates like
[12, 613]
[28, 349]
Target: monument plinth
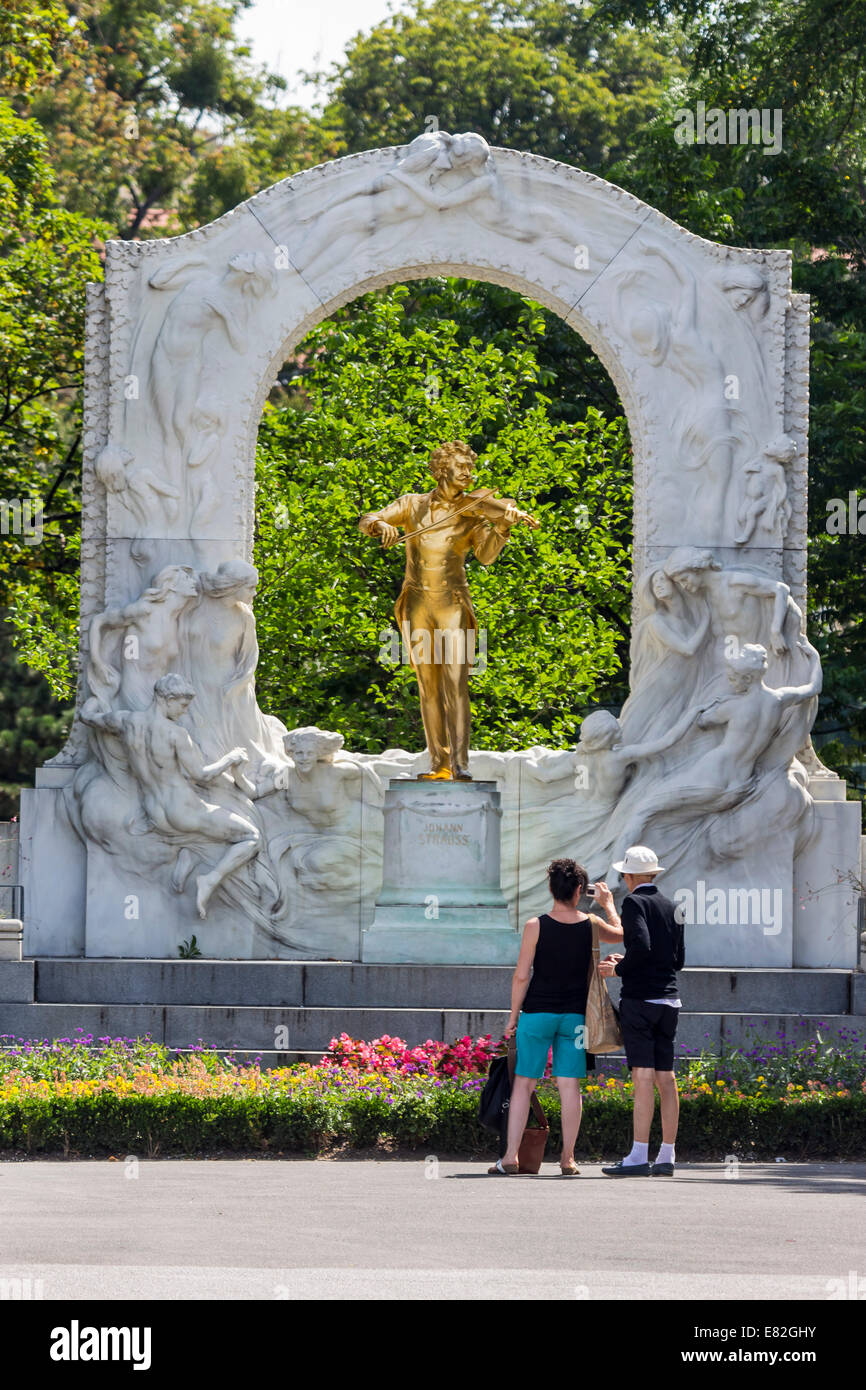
[441, 900]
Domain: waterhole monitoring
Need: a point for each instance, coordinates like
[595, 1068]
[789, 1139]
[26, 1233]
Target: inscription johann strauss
[436, 834]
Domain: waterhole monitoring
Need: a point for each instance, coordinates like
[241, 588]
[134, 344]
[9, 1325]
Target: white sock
[638, 1155]
[666, 1154]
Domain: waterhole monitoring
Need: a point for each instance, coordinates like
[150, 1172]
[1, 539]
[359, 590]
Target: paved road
[371, 1229]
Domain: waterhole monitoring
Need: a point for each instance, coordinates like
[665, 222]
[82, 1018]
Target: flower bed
[120, 1096]
[465, 1056]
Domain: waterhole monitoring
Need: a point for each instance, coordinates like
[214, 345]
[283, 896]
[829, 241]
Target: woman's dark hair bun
[564, 877]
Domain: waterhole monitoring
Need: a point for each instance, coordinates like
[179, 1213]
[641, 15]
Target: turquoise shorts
[538, 1033]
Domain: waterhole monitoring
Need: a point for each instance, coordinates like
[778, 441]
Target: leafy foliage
[30, 34]
[158, 118]
[538, 75]
[32, 728]
[803, 60]
[47, 255]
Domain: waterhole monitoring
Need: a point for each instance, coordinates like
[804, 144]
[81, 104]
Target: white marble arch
[706, 344]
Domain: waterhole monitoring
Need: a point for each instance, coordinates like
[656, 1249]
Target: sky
[294, 35]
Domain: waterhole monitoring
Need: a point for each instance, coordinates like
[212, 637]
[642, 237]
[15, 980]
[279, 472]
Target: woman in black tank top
[548, 1003]
[560, 967]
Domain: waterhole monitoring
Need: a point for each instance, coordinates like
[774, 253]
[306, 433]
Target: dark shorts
[648, 1031]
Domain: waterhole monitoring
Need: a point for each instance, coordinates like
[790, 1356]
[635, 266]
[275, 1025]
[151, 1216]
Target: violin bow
[410, 535]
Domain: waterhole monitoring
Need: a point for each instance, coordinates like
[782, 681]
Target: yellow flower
[720, 1083]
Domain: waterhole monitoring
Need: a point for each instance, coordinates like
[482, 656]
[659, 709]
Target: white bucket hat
[639, 860]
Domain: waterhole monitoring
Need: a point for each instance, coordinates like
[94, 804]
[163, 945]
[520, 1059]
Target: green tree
[47, 255]
[802, 58]
[30, 34]
[539, 75]
[157, 106]
[386, 384]
[32, 728]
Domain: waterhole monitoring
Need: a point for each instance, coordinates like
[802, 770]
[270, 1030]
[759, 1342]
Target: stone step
[292, 1029]
[331, 984]
[17, 982]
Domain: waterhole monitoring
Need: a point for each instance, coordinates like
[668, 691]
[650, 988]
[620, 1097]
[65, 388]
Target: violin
[481, 502]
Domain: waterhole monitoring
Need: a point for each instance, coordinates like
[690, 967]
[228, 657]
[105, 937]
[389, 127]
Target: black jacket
[654, 944]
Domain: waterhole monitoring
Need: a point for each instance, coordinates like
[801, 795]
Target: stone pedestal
[441, 900]
[826, 882]
[11, 933]
[52, 868]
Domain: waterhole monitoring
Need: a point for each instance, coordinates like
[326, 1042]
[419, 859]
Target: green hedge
[440, 1121]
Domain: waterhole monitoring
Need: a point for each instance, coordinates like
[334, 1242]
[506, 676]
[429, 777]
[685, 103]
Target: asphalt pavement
[372, 1229]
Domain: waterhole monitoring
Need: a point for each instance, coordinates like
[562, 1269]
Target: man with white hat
[653, 938]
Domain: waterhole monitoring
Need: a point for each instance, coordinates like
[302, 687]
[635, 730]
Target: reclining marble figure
[170, 771]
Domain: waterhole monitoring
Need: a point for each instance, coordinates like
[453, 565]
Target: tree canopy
[157, 107]
[540, 75]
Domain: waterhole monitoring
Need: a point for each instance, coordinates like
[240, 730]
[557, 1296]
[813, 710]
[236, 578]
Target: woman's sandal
[569, 1170]
[503, 1170]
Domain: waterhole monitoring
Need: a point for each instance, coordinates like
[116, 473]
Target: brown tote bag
[603, 1033]
[531, 1152]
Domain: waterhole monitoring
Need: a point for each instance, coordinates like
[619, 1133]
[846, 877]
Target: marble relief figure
[763, 509]
[743, 602]
[717, 472]
[745, 286]
[487, 202]
[323, 790]
[572, 796]
[208, 424]
[728, 753]
[442, 173]
[131, 647]
[750, 720]
[690, 611]
[172, 776]
[188, 780]
[207, 305]
[140, 490]
[177, 738]
[669, 330]
[221, 655]
[393, 198]
[669, 646]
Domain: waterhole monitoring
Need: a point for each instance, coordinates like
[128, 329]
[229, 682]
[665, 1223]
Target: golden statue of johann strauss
[434, 611]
